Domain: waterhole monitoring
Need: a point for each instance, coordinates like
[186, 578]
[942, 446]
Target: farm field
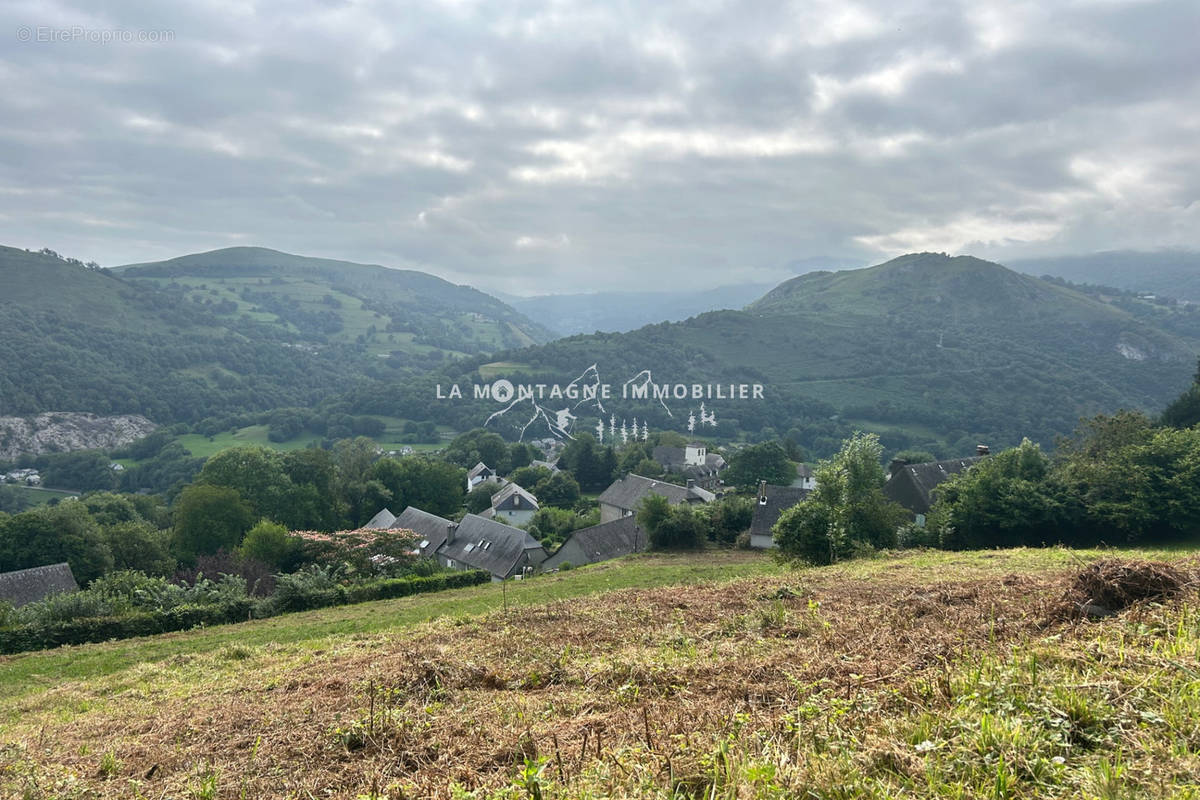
[720, 674]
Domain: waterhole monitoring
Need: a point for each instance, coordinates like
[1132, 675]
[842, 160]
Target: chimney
[895, 466]
[451, 529]
[691, 484]
[982, 450]
[762, 493]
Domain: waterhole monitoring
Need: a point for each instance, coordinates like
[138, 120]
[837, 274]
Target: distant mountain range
[1173, 273]
[932, 351]
[228, 331]
[569, 314]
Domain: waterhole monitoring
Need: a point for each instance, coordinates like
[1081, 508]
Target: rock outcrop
[62, 432]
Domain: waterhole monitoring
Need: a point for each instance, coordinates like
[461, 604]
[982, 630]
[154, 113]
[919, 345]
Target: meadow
[712, 675]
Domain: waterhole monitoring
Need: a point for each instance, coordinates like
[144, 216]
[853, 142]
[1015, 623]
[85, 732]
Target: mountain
[227, 332]
[389, 311]
[569, 314]
[1172, 273]
[930, 351]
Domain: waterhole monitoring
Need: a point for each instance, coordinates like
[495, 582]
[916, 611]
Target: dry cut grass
[909, 682]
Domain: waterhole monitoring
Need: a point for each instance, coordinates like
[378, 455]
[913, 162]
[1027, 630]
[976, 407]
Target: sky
[547, 147]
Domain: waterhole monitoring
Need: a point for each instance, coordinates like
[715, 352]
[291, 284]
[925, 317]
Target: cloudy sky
[547, 146]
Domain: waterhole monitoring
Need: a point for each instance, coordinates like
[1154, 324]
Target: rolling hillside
[931, 351]
[928, 675]
[391, 312]
[226, 332]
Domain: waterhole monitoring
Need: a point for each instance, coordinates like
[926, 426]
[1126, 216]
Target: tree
[846, 511]
[761, 462]
[1009, 499]
[138, 545]
[1184, 411]
[681, 529]
[528, 477]
[52, 534]
[257, 475]
[651, 511]
[480, 498]
[477, 445]
[271, 544]
[559, 489]
[430, 485]
[592, 465]
[728, 517]
[210, 518]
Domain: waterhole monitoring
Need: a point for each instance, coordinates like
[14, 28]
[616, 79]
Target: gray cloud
[570, 146]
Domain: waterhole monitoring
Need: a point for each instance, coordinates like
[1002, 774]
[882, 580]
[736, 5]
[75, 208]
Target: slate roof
[37, 583]
[912, 485]
[627, 492]
[528, 501]
[550, 465]
[493, 546]
[610, 539]
[803, 471]
[779, 499]
[673, 459]
[479, 468]
[381, 521]
[429, 528]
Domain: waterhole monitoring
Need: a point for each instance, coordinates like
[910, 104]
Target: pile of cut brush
[1110, 585]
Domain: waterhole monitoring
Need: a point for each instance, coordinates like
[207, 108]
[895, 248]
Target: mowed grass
[202, 446]
[713, 675]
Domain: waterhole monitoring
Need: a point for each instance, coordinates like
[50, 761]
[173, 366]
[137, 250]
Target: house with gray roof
[692, 461]
[912, 485]
[479, 473]
[37, 583]
[431, 530]
[623, 497]
[512, 504]
[382, 521]
[599, 543]
[502, 550]
[772, 501]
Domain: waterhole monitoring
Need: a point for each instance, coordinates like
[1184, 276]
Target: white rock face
[1130, 352]
[62, 432]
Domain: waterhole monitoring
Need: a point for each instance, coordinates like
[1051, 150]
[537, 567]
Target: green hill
[402, 314]
[931, 351]
[226, 332]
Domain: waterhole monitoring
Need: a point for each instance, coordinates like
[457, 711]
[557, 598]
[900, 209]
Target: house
[502, 550]
[478, 474]
[912, 485]
[382, 521]
[772, 501]
[473, 543]
[431, 530]
[552, 466]
[693, 462]
[623, 497]
[599, 543]
[513, 504]
[29, 477]
[31, 585]
[805, 479]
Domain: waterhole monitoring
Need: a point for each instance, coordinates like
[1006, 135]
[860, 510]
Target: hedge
[146, 623]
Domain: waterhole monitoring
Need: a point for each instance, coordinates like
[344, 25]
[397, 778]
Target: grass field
[709, 676]
[39, 496]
